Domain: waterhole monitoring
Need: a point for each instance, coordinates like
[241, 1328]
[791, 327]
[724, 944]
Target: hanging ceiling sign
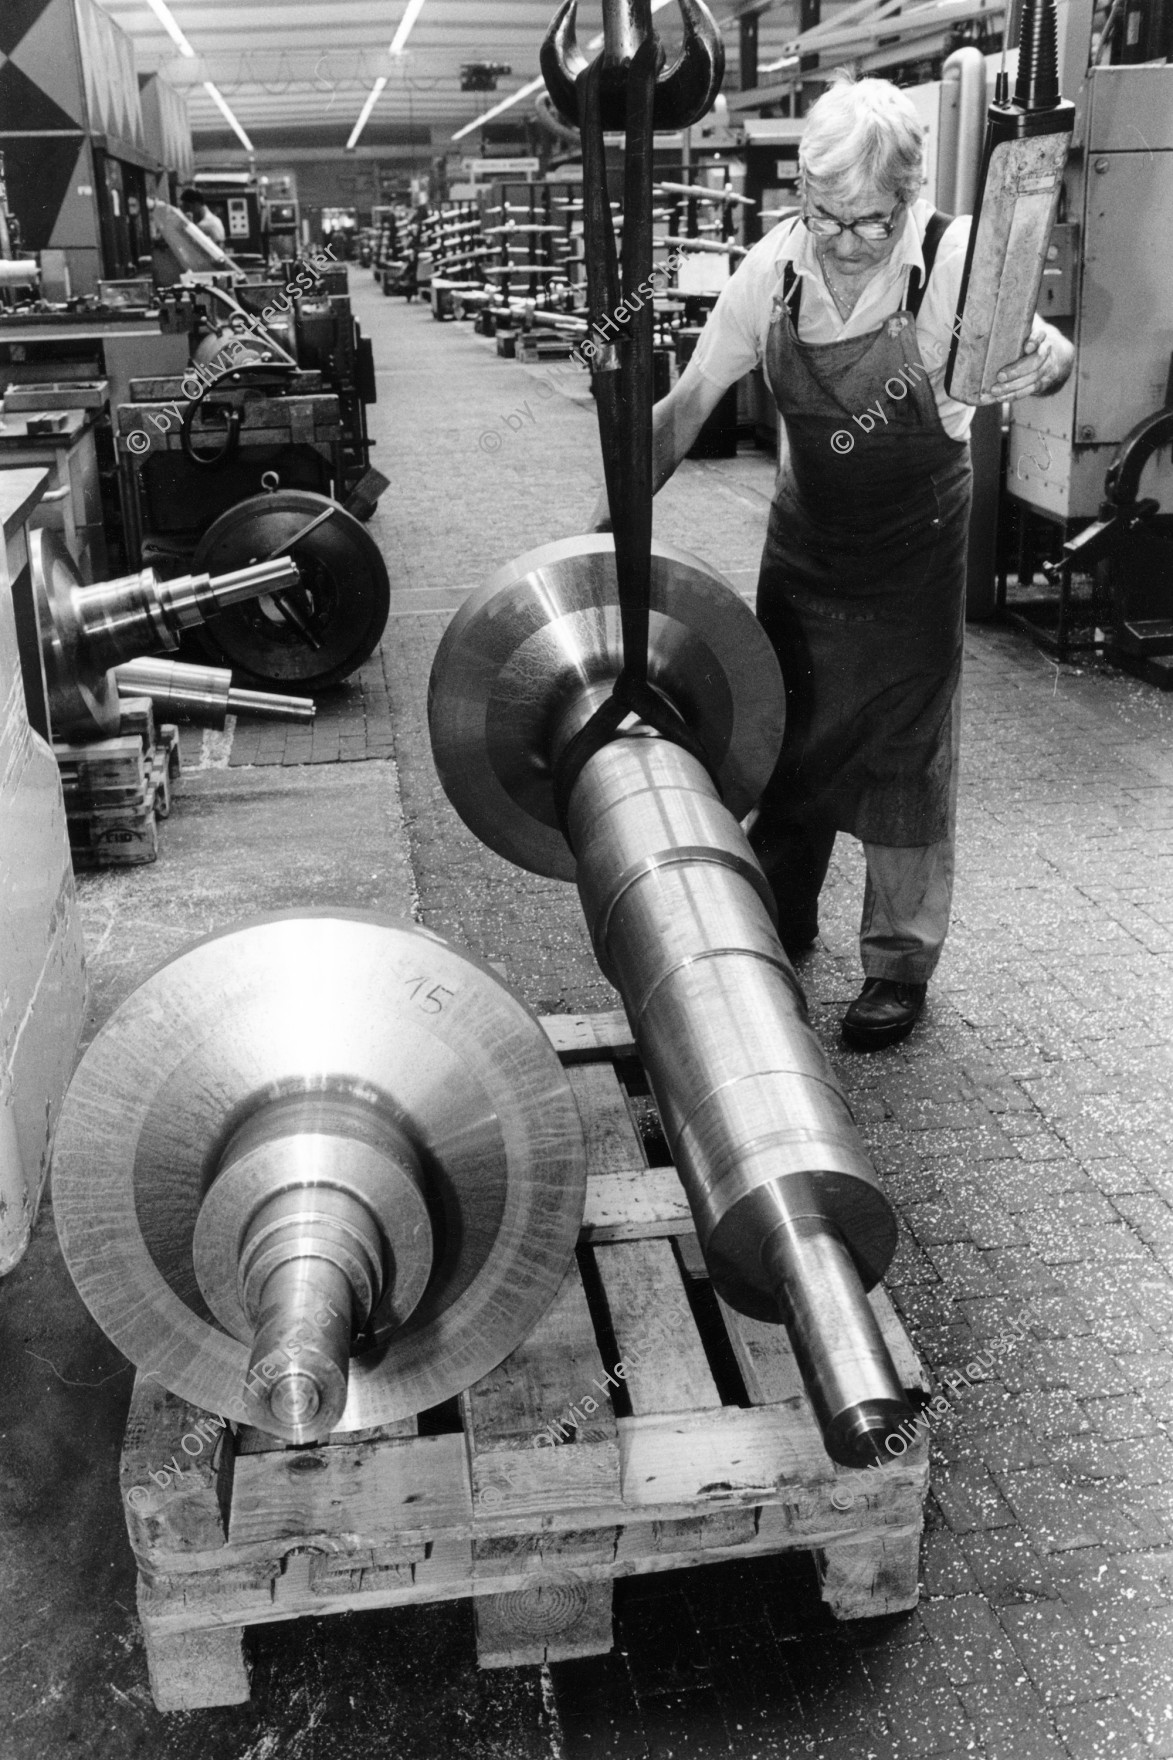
[497, 167]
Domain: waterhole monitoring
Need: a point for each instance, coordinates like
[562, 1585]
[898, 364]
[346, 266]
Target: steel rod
[117, 620]
[205, 694]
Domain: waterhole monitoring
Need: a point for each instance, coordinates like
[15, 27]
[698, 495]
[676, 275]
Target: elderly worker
[850, 306]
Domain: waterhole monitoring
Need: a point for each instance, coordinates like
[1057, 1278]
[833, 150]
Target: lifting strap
[622, 384]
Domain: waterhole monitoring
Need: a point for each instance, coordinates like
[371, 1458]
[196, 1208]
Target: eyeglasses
[823, 226]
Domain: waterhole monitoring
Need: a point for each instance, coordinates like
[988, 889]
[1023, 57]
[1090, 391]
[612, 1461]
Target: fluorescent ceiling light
[364, 113]
[526, 91]
[222, 105]
[162, 12]
[414, 8]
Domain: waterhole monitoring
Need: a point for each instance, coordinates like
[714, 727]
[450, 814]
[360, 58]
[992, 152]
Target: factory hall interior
[586, 879]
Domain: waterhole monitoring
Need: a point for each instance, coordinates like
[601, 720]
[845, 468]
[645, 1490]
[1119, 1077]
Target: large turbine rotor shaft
[788, 1213]
[319, 1172]
[789, 1217]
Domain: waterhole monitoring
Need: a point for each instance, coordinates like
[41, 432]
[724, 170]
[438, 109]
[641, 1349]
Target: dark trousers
[907, 898]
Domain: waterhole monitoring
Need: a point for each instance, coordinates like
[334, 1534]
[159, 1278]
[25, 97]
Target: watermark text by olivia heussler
[201, 376]
[567, 1428]
[206, 1430]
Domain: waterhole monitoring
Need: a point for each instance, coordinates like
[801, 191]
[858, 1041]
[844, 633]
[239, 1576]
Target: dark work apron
[862, 584]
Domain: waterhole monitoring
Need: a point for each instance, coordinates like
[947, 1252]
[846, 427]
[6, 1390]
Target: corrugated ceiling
[307, 65]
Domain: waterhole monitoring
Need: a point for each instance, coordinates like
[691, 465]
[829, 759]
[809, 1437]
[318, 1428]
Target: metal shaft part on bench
[788, 1212]
[119, 619]
[316, 1200]
[88, 630]
[205, 694]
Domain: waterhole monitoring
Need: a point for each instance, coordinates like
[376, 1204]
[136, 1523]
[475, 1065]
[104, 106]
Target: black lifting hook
[684, 91]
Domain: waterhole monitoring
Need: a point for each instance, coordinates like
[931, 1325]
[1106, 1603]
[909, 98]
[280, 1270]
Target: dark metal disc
[344, 595]
[521, 649]
[318, 1003]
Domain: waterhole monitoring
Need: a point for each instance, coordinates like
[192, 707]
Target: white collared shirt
[734, 339]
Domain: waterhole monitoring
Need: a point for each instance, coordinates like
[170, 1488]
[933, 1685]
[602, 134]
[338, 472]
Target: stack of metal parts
[320, 1172]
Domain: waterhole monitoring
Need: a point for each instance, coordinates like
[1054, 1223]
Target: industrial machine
[319, 1172]
[300, 324]
[297, 319]
[1110, 289]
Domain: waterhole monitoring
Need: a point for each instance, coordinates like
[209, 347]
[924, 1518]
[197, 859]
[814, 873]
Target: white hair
[863, 135]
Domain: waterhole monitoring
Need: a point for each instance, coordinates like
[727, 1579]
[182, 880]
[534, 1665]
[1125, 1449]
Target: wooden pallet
[697, 1449]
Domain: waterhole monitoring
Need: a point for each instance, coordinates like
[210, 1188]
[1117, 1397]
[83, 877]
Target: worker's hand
[1044, 365]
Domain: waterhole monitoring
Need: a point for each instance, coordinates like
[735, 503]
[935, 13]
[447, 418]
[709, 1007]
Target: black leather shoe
[884, 1012]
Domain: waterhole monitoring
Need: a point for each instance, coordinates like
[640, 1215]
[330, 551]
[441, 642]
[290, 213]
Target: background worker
[199, 213]
[850, 307]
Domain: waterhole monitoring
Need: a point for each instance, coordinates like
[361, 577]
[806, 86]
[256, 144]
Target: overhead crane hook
[685, 89]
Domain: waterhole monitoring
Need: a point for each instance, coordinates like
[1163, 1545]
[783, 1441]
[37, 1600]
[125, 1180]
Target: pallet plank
[649, 1310]
[725, 1454]
[516, 1456]
[764, 1357]
[577, 1037]
[612, 1141]
[366, 1490]
[634, 1205]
